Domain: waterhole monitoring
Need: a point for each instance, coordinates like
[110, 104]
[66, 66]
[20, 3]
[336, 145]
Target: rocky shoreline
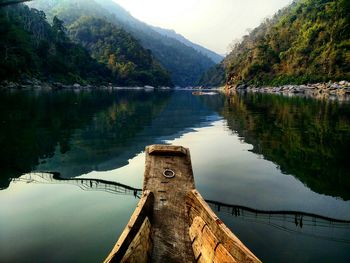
[339, 89]
[35, 84]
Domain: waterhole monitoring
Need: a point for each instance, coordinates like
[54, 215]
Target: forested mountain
[172, 34]
[215, 76]
[31, 47]
[113, 46]
[184, 63]
[308, 41]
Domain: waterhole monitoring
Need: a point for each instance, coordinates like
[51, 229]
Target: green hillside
[94, 51]
[31, 47]
[308, 41]
[110, 45]
[184, 63]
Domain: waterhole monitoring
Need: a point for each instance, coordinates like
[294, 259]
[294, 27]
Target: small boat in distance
[204, 93]
[172, 222]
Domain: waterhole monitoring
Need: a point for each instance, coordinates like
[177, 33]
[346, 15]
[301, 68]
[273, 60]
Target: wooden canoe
[172, 222]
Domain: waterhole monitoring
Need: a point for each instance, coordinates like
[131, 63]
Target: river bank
[35, 84]
[339, 90]
[29, 84]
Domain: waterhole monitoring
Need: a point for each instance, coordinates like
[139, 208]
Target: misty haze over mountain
[184, 60]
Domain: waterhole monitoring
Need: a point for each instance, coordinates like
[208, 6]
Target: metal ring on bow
[169, 173]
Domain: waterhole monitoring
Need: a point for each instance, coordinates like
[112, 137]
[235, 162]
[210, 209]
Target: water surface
[261, 151]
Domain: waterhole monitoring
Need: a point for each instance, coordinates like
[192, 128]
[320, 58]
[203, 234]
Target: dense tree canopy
[308, 41]
[130, 63]
[184, 63]
[99, 53]
[31, 47]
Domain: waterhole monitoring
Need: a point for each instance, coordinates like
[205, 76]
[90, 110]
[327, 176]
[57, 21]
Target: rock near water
[317, 90]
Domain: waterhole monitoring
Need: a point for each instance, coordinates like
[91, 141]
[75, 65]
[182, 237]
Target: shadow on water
[307, 138]
[298, 222]
[82, 183]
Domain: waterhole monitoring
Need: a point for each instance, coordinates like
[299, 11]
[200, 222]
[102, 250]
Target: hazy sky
[211, 23]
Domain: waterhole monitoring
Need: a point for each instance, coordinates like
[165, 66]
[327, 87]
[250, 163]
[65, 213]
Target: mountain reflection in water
[263, 151]
[76, 133]
[91, 125]
[306, 138]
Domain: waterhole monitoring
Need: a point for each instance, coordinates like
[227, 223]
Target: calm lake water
[265, 152]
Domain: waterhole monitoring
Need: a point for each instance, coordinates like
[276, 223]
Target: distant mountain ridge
[126, 17]
[171, 33]
[184, 63]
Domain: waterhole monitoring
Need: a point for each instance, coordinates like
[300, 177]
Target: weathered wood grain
[166, 150]
[171, 242]
[172, 222]
[198, 210]
[141, 247]
[142, 212]
[206, 246]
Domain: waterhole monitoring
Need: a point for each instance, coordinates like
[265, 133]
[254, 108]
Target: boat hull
[172, 221]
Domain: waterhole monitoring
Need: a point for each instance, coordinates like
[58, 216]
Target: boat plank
[141, 246]
[206, 246]
[197, 207]
[222, 255]
[172, 222]
[171, 240]
[195, 232]
[142, 212]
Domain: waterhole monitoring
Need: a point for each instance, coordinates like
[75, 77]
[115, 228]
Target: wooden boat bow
[172, 222]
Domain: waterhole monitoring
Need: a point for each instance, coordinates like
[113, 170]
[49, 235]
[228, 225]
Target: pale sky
[213, 24]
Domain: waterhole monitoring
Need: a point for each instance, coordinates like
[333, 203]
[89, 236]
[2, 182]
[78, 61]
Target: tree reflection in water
[307, 138]
[35, 126]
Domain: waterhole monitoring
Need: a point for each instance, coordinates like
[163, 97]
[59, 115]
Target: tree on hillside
[59, 30]
[308, 41]
[31, 47]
